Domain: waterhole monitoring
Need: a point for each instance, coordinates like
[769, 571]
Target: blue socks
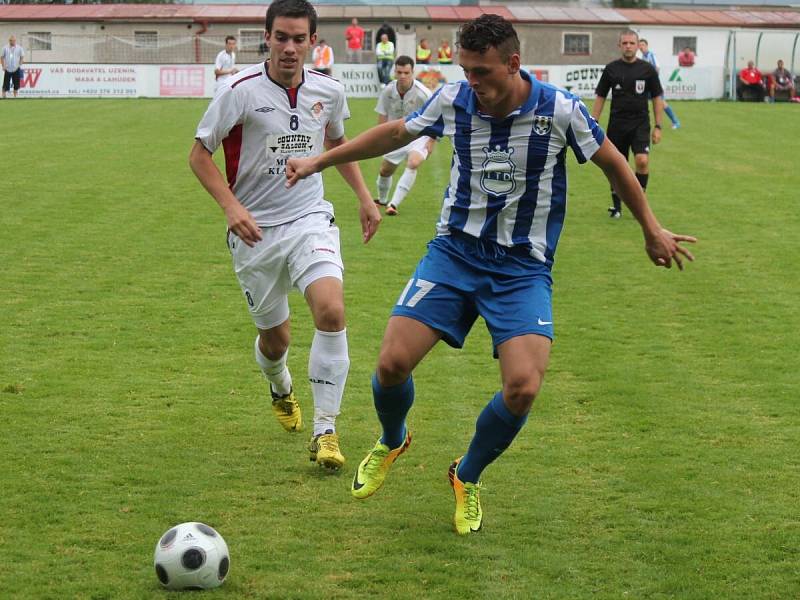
[495, 430]
[671, 115]
[392, 405]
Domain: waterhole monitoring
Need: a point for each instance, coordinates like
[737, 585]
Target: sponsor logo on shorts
[328, 250]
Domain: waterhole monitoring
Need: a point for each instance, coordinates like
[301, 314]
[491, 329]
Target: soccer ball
[191, 556]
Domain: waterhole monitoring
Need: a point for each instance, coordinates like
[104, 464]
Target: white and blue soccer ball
[191, 556]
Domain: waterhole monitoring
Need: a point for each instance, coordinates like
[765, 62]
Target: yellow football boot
[469, 516]
[287, 411]
[373, 469]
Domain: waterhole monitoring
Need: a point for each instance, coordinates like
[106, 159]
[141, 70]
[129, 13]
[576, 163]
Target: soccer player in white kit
[399, 99]
[225, 63]
[282, 238]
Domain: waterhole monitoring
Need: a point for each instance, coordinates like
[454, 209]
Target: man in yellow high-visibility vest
[423, 52]
[445, 53]
[384, 53]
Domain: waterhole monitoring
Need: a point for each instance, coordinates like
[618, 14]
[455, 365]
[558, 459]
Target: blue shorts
[462, 277]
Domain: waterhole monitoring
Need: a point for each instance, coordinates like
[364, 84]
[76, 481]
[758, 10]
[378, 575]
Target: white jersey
[262, 124]
[224, 61]
[394, 105]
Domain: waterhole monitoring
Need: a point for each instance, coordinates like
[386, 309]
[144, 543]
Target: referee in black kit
[633, 82]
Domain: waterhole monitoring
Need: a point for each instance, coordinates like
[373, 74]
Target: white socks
[384, 186]
[275, 371]
[328, 365]
[403, 186]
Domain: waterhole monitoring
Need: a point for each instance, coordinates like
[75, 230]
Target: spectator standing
[632, 83]
[11, 58]
[322, 57]
[384, 53]
[388, 30]
[423, 52]
[650, 57]
[445, 53]
[750, 80]
[686, 57]
[354, 35]
[782, 80]
[225, 63]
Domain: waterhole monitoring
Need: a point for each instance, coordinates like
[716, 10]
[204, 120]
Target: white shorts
[295, 254]
[419, 145]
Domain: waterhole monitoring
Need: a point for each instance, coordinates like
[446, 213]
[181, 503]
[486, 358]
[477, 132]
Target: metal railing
[117, 49]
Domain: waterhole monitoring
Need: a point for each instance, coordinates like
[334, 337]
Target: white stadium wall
[711, 44]
[360, 81]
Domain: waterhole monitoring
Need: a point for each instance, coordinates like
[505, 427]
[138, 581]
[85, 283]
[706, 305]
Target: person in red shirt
[686, 57]
[355, 41]
[751, 83]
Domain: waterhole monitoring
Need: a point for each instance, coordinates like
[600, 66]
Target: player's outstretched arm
[240, 221]
[373, 142]
[367, 211]
[662, 246]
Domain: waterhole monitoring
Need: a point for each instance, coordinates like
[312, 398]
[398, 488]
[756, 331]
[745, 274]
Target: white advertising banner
[117, 81]
[679, 83]
[360, 81]
[694, 83]
[49, 80]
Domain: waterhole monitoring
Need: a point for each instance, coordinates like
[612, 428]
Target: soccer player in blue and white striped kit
[502, 214]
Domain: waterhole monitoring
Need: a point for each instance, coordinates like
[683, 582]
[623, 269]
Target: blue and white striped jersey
[508, 180]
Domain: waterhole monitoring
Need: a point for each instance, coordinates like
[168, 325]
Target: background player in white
[399, 99]
[282, 238]
[225, 63]
[501, 217]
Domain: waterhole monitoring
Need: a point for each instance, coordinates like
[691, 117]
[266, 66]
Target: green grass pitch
[660, 460]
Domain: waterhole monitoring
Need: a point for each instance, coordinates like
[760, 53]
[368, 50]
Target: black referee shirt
[631, 85]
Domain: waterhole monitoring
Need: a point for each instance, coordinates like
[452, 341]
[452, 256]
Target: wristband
[658, 126]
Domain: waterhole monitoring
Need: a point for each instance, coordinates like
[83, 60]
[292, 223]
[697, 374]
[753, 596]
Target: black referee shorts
[627, 136]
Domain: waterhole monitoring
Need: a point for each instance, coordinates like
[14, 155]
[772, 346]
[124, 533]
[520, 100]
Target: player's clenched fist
[299, 168]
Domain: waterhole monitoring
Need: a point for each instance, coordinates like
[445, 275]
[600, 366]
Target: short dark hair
[488, 31]
[643, 40]
[294, 9]
[628, 32]
[403, 60]
[228, 38]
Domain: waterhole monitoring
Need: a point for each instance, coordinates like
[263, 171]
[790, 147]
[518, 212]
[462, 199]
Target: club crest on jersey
[316, 109]
[497, 175]
[640, 86]
[542, 125]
